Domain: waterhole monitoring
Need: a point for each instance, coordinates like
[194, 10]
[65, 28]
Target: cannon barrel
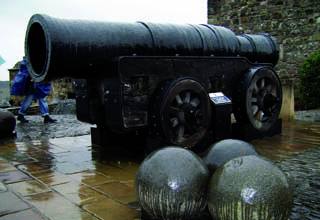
[57, 48]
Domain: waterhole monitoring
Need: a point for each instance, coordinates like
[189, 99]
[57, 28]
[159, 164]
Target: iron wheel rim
[186, 115]
[264, 97]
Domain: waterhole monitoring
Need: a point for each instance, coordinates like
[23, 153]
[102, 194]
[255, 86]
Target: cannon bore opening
[37, 49]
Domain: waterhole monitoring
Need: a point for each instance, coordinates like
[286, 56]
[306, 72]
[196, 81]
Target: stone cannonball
[172, 183]
[225, 150]
[250, 188]
[7, 124]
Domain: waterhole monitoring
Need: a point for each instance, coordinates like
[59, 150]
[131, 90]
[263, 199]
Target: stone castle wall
[61, 88]
[295, 23]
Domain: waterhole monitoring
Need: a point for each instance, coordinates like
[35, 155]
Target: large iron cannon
[155, 79]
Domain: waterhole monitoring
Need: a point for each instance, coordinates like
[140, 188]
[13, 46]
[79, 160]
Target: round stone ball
[249, 187]
[225, 150]
[7, 124]
[172, 183]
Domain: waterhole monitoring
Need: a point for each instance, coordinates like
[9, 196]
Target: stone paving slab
[77, 192]
[13, 176]
[56, 207]
[36, 168]
[108, 209]
[6, 167]
[10, 203]
[91, 178]
[54, 178]
[30, 187]
[67, 178]
[28, 214]
[3, 187]
[118, 191]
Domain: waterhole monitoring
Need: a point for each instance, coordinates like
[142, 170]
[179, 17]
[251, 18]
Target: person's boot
[22, 119]
[48, 119]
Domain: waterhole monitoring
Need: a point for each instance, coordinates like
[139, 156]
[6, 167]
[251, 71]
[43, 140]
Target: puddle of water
[91, 178]
[295, 138]
[297, 152]
[77, 193]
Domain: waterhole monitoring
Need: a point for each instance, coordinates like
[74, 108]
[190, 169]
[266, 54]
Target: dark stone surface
[310, 115]
[172, 184]
[249, 187]
[66, 126]
[225, 150]
[305, 173]
[297, 152]
[67, 106]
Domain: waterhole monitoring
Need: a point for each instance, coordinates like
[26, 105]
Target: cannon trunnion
[154, 79]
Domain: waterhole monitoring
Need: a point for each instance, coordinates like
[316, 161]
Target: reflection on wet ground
[297, 152]
[67, 178]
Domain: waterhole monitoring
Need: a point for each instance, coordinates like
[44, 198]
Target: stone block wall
[62, 89]
[295, 23]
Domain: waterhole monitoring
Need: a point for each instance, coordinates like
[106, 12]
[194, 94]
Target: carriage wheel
[184, 113]
[260, 95]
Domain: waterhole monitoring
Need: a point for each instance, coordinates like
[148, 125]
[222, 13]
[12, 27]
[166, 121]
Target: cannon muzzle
[57, 48]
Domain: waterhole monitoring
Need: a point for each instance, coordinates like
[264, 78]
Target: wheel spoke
[187, 98]
[260, 115]
[174, 122]
[255, 88]
[254, 109]
[174, 110]
[254, 100]
[180, 134]
[269, 88]
[179, 100]
[181, 117]
[262, 84]
[195, 102]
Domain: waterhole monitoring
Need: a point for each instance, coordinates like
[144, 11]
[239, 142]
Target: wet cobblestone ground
[297, 152]
[53, 172]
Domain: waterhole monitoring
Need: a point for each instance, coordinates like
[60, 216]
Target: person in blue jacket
[34, 91]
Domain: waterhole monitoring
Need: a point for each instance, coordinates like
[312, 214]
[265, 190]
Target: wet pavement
[297, 153]
[53, 172]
